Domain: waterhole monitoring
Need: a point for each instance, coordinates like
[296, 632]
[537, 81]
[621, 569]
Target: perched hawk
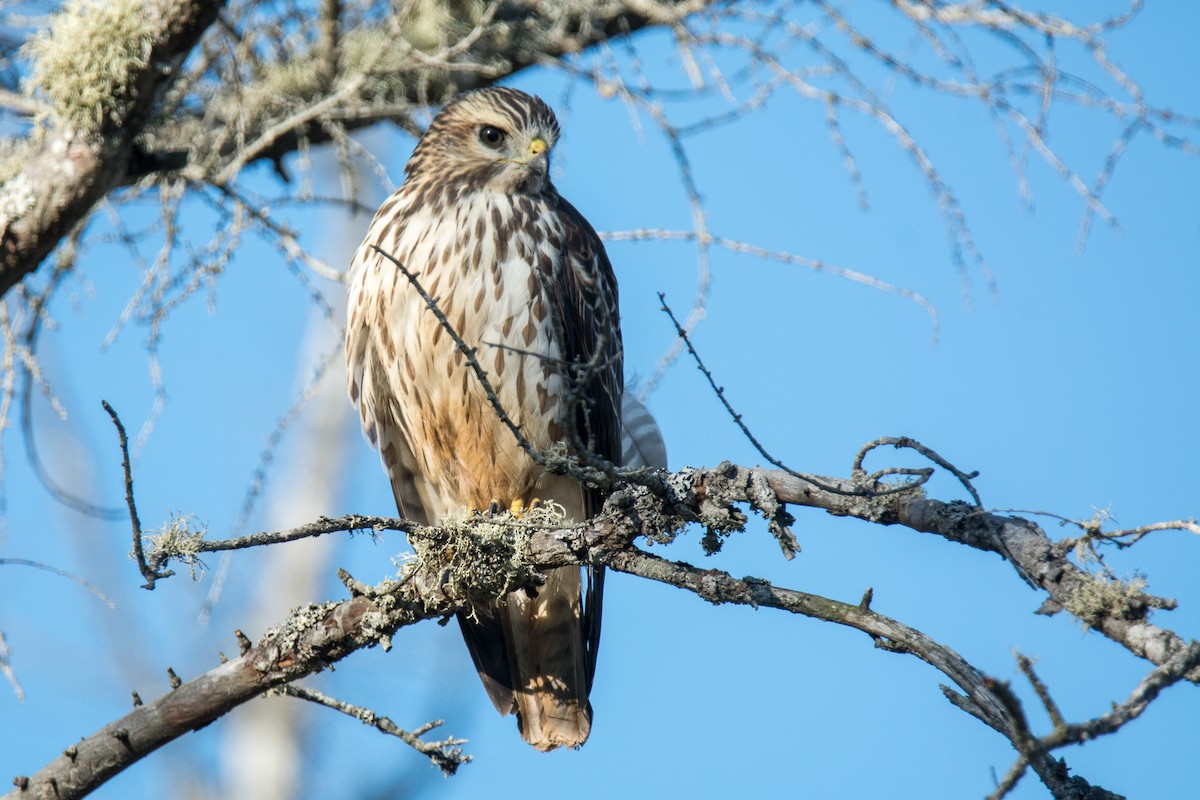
[524, 280]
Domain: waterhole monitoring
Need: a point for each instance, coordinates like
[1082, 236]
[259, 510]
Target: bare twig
[900, 442]
[558, 465]
[446, 755]
[682, 333]
[1010, 780]
[868, 486]
[735, 246]
[1026, 666]
[32, 377]
[151, 574]
[1093, 529]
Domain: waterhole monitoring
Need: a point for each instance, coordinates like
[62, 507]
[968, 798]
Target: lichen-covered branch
[466, 560]
[116, 117]
[87, 146]
[1118, 609]
[308, 641]
[1114, 608]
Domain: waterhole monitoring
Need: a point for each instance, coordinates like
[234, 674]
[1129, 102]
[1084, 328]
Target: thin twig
[921, 477]
[150, 574]
[1010, 780]
[468, 353]
[912, 444]
[816, 265]
[32, 375]
[187, 547]
[446, 755]
[350, 522]
[1026, 666]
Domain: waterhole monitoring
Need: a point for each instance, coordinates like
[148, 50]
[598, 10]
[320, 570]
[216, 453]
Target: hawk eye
[491, 136]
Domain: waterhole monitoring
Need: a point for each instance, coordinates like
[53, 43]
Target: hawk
[523, 278]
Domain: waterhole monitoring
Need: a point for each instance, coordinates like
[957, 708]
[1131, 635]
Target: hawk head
[495, 139]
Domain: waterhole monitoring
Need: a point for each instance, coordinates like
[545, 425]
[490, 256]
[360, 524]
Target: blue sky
[1071, 388]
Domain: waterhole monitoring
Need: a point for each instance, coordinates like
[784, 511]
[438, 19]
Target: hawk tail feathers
[536, 657]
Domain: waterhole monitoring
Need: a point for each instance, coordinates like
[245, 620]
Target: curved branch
[522, 34]
[1021, 542]
[691, 494]
[307, 642]
[69, 171]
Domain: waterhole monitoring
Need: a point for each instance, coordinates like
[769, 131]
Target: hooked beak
[538, 157]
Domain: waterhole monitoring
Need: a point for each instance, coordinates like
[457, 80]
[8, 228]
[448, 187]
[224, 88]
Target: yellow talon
[519, 507]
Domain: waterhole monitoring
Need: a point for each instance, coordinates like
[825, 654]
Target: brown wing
[585, 299]
[587, 304]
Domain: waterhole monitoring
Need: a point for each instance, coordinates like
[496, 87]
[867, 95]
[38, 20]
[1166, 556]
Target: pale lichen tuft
[1097, 598]
[176, 540]
[84, 61]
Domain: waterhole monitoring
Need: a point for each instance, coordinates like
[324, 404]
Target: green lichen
[1097, 598]
[380, 51]
[84, 61]
[18, 194]
[294, 81]
[283, 80]
[373, 52]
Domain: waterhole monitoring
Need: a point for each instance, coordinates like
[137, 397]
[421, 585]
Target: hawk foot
[519, 507]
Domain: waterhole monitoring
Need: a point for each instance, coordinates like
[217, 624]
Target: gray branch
[307, 642]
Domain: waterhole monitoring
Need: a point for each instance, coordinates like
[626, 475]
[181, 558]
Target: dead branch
[706, 495]
[151, 574]
[1024, 544]
[446, 755]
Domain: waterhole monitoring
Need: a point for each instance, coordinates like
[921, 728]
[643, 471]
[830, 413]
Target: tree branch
[705, 495]
[312, 638]
[318, 635]
[446, 754]
[70, 170]
[1021, 542]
